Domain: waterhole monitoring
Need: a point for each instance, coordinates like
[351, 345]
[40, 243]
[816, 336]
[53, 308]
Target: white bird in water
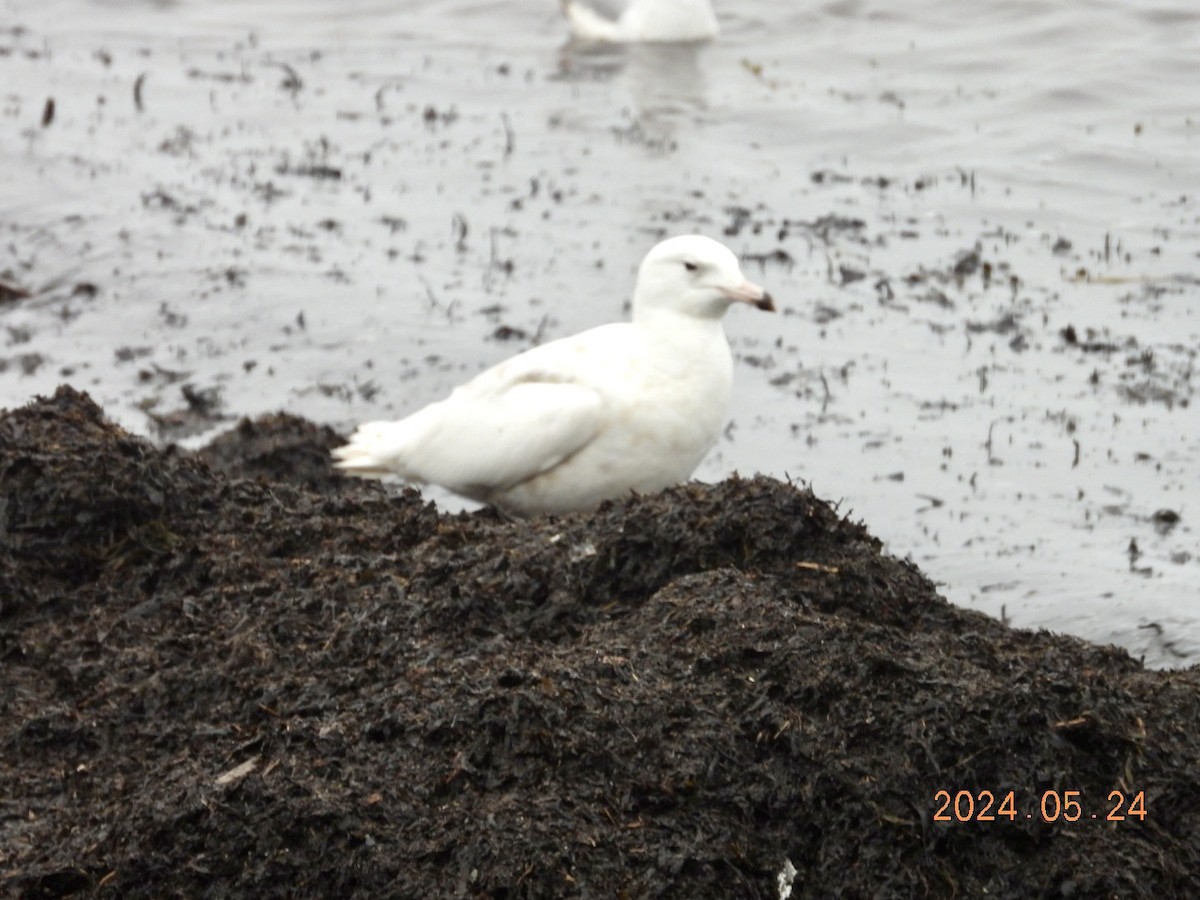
[643, 20]
[632, 406]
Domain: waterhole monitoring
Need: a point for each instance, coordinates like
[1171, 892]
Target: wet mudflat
[981, 223]
[229, 674]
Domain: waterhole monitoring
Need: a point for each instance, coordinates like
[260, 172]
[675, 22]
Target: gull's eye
[691, 266]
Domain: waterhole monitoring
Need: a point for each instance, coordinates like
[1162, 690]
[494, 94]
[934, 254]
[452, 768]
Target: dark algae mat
[236, 674]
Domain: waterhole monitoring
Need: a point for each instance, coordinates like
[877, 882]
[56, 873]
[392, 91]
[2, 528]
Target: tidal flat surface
[981, 223]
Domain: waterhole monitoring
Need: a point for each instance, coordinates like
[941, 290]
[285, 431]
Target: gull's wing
[510, 423]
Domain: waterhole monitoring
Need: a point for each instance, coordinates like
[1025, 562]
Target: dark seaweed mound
[236, 675]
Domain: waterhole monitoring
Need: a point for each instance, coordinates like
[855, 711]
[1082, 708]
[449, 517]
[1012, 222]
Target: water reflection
[665, 83]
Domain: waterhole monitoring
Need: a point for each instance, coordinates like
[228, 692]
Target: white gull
[643, 21]
[632, 406]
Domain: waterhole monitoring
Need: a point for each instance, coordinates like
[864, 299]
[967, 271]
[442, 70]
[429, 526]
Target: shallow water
[982, 220]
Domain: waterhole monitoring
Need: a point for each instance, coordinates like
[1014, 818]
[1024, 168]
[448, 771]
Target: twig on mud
[293, 83]
[238, 772]
[509, 137]
[379, 93]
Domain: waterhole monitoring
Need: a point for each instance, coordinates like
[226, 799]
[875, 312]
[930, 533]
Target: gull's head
[694, 275]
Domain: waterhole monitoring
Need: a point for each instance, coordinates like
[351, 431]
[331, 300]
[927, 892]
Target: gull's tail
[375, 450]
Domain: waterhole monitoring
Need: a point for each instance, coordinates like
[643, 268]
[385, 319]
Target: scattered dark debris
[242, 77]
[292, 82]
[510, 333]
[1165, 646]
[201, 400]
[179, 143]
[159, 198]
[1071, 338]
[966, 263]
[848, 275]
[783, 379]
[129, 354]
[1165, 520]
[1008, 323]
[230, 275]
[368, 390]
[395, 224]
[935, 296]
[339, 391]
[826, 226]
[821, 176]
[505, 266]
[1134, 552]
[432, 116]
[11, 291]
[460, 228]
[28, 363]
[48, 112]
[754, 68]
[1143, 360]
[200, 414]
[314, 170]
[395, 85]
[757, 362]
[269, 192]
[162, 200]
[778, 256]
[260, 681]
[509, 136]
[1151, 391]
[822, 313]
[172, 319]
[157, 373]
[740, 218]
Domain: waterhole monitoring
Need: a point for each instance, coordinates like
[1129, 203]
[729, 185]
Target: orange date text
[1053, 806]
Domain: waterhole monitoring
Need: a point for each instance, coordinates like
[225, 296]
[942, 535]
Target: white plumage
[643, 20]
[626, 407]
